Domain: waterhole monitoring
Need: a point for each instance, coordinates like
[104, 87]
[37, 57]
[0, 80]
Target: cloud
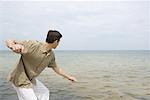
[88, 25]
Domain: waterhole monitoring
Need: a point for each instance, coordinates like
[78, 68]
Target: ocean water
[102, 75]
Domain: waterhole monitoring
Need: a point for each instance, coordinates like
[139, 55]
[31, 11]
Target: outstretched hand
[73, 79]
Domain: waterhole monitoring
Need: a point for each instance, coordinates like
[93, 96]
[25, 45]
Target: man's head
[53, 38]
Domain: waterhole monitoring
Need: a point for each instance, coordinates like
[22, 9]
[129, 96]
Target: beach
[102, 75]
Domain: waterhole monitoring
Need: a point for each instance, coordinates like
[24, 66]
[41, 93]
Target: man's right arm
[15, 46]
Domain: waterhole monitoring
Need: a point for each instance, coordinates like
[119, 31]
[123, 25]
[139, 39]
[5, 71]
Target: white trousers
[38, 92]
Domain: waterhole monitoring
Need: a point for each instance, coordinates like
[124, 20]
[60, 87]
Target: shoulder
[30, 43]
[52, 53]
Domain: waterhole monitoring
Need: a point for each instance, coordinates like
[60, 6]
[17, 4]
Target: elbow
[6, 42]
[9, 43]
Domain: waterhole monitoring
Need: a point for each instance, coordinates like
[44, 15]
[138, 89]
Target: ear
[56, 41]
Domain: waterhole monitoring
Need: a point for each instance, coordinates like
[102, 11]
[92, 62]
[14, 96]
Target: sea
[101, 75]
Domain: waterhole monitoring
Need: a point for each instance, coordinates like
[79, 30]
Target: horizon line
[96, 50]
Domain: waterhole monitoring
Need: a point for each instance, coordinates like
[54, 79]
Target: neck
[48, 46]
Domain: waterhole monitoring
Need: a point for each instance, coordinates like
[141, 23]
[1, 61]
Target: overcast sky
[85, 25]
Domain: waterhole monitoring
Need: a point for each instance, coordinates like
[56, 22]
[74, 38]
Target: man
[35, 57]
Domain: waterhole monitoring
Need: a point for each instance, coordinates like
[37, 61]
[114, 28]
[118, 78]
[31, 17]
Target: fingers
[22, 48]
[18, 48]
[73, 79]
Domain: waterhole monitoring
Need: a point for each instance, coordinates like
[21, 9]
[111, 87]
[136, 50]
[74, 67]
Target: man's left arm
[62, 73]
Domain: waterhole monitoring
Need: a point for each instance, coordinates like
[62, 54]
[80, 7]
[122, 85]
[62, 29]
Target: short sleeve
[52, 63]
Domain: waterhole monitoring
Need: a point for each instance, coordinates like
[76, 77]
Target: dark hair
[52, 36]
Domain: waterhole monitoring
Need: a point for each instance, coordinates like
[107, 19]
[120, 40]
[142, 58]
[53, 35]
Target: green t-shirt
[35, 59]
